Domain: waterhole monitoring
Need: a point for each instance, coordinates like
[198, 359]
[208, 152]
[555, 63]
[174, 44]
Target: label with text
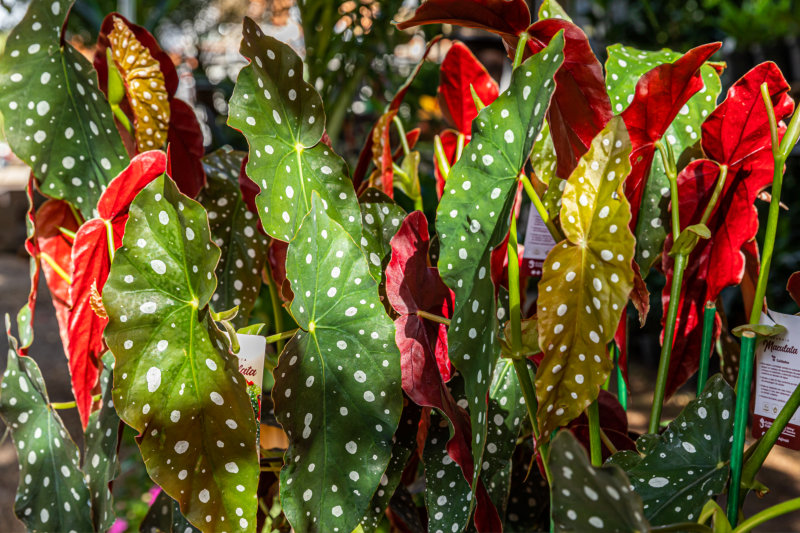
[538, 243]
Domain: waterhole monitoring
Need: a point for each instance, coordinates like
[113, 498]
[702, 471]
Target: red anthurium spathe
[580, 106]
[413, 285]
[660, 95]
[92, 253]
[183, 134]
[507, 18]
[736, 135]
[793, 287]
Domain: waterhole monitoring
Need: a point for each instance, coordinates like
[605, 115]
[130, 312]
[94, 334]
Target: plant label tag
[777, 375]
[538, 243]
[252, 350]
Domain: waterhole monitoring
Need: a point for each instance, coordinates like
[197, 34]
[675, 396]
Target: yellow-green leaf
[586, 281]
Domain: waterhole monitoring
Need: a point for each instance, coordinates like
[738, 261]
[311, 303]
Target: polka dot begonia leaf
[337, 384]
[100, 462]
[550, 9]
[56, 119]
[473, 218]
[587, 499]
[448, 497]
[624, 67]
[404, 444]
[688, 463]
[381, 218]
[164, 516]
[235, 230]
[51, 495]
[543, 156]
[586, 281]
[175, 380]
[283, 120]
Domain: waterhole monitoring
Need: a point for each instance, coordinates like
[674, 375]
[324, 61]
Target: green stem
[277, 314]
[460, 142]
[768, 440]
[768, 514]
[622, 387]
[520, 51]
[515, 316]
[280, 336]
[740, 423]
[540, 208]
[67, 233]
[709, 314]
[122, 118]
[72, 405]
[593, 414]
[723, 174]
[666, 347]
[668, 158]
[441, 157]
[531, 403]
[434, 318]
[401, 131]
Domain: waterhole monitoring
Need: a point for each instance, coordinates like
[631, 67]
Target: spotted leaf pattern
[473, 218]
[100, 462]
[586, 281]
[381, 218]
[624, 67]
[56, 119]
[337, 384]
[688, 463]
[585, 498]
[235, 230]
[282, 118]
[165, 516]
[175, 380]
[51, 495]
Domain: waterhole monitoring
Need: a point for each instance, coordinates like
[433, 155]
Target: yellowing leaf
[147, 91]
[586, 281]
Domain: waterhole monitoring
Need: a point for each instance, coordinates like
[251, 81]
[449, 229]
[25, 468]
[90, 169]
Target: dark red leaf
[365, 156]
[793, 286]
[143, 169]
[738, 134]
[640, 297]
[660, 95]
[276, 256]
[413, 285]
[507, 18]
[580, 107]
[185, 140]
[248, 188]
[461, 69]
[51, 242]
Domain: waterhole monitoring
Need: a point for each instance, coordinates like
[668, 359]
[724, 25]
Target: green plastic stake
[709, 314]
[622, 387]
[740, 422]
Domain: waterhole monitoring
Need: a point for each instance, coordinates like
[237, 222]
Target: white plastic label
[538, 243]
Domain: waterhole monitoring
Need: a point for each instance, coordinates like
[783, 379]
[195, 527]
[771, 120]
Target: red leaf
[580, 107]
[640, 297]
[143, 169]
[613, 422]
[365, 156]
[50, 241]
[508, 18]
[90, 257]
[185, 140]
[276, 256]
[793, 286]
[413, 285]
[460, 70]
[660, 95]
[737, 133]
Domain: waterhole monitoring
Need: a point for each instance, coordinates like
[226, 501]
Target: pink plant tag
[777, 375]
[538, 243]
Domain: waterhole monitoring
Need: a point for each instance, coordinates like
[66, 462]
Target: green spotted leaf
[51, 495]
[447, 493]
[337, 384]
[283, 120]
[164, 516]
[543, 156]
[551, 9]
[381, 218]
[624, 67]
[585, 498]
[586, 280]
[690, 462]
[235, 230]
[175, 380]
[473, 217]
[56, 119]
[100, 462]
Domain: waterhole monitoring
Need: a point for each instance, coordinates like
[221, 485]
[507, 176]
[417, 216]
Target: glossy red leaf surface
[793, 286]
[660, 95]
[736, 134]
[249, 188]
[460, 69]
[412, 285]
[580, 107]
[91, 263]
[507, 18]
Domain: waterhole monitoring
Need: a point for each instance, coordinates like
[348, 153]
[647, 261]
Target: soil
[781, 472]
